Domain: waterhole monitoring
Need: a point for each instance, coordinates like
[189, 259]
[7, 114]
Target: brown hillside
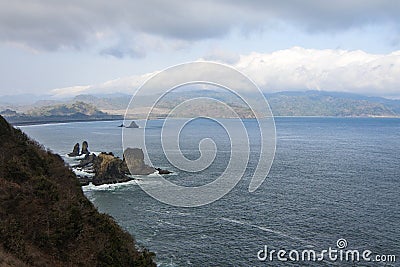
[45, 220]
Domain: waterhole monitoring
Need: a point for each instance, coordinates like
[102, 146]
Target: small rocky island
[105, 168]
[132, 125]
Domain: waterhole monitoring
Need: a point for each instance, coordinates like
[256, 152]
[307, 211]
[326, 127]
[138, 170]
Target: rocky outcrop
[134, 159]
[46, 220]
[75, 151]
[85, 148]
[133, 125]
[162, 171]
[87, 160]
[109, 169]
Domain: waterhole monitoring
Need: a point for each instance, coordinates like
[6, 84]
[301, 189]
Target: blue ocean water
[331, 178]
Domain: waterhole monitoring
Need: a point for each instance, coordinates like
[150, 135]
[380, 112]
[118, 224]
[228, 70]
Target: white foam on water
[137, 180]
[108, 187]
[82, 173]
[265, 229]
[167, 263]
[76, 157]
[44, 124]
[81, 156]
[154, 174]
[174, 225]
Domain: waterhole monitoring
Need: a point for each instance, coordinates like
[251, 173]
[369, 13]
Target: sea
[333, 189]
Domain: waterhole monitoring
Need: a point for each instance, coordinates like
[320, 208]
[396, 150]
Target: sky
[64, 48]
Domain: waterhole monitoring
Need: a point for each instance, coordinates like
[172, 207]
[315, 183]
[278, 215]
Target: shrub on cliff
[45, 220]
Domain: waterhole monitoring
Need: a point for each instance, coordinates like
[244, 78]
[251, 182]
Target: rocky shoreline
[105, 168]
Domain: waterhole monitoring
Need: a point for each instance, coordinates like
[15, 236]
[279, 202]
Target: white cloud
[331, 70]
[121, 85]
[69, 91]
[295, 69]
[221, 55]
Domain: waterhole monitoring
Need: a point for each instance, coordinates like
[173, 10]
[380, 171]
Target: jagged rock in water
[121, 125]
[162, 171]
[85, 148]
[133, 125]
[134, 159]
[75, 151]
[87, 160]
[109, 169]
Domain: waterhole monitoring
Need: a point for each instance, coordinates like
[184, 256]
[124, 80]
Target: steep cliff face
[109, 170]
[134, 159]
[45, 220]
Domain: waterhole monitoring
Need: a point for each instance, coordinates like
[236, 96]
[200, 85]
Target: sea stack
[134, 159]
[75, 151]
[85, 148]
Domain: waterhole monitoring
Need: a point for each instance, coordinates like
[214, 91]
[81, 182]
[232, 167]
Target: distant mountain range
[288, 103]
[321, 103]
[77, 111]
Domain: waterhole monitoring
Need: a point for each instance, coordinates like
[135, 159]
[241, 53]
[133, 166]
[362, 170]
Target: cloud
[123, 85]
[221, 55]
[297, 69]
[331, 70]
[123, 51]
[51, 25]
[316, 15]
[70, 91]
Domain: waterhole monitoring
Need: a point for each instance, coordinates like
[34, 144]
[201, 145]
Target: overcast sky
[71, 47]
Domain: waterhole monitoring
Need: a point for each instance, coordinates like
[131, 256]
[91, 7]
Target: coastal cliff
[45, 220]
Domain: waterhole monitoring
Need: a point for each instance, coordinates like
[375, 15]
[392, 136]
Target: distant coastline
[75, 112]
[38, 121]
[44, 122]
[285, 103]
[342, 117]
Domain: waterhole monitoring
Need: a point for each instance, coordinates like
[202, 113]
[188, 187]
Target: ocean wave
[76, 157]
[151, 175]
[137, 180]
[166, 264]
[174, 225]
[82, 173]
[265, 229]
[81, 156]
[108, 187]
